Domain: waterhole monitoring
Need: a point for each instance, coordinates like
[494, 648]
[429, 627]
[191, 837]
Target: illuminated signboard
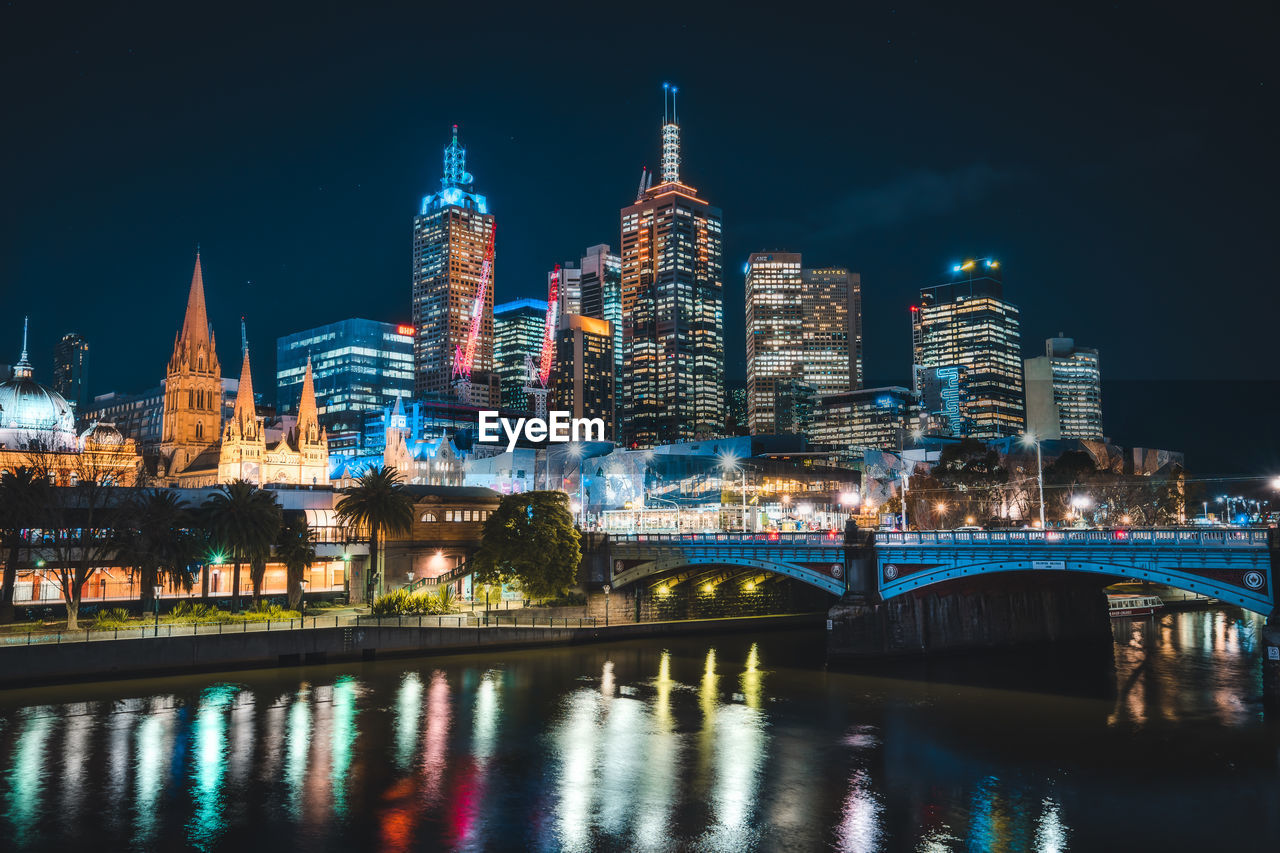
[404, 330]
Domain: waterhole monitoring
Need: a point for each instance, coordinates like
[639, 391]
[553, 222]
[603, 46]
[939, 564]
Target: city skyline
[870, 204]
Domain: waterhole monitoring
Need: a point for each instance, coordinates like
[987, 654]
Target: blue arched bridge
[1232, 565]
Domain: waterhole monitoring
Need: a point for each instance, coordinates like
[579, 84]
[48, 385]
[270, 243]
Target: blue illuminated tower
[452, 234]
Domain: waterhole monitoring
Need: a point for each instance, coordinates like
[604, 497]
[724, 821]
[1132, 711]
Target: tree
[23, 492]
[295, 547]
[379, 503]
[972, 475]
[244, 520]
[531, 540]
[154, 539]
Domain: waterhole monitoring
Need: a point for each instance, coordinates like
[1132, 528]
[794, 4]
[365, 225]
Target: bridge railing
[730, 538]
[1161, 537]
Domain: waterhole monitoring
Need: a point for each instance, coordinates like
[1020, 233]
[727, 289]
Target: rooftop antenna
[644, 173]
[670, 137]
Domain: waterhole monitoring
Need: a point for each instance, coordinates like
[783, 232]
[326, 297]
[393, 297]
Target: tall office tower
[453, 275]
[71, 370]
[192, 419]
[804, 327]
[582, 377]
[1064, 391]
[569, 289]
[602, 298]
[672, 307]
[967, 323]
[735, 407]
[518, 329]
[358, 366]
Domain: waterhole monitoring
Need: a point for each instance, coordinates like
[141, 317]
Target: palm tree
[244, 520]
[295, 547]
[156, 540]
[379, 502]
[22, 494]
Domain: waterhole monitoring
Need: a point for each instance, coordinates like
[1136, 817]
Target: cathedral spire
[22, 370]
[195, 326]
[307, 415]
[245, 408]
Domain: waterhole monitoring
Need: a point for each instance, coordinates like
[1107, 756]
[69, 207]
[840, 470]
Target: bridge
[1232, 565]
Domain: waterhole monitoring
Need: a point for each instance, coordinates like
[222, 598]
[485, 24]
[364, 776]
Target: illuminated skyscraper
[71, 370]
[602, 297]
[672, 307]
[967, 323]
[1064, 391]
[804, 328]
[453, 239]
[359, 366]
[582, 378]
[518, 329]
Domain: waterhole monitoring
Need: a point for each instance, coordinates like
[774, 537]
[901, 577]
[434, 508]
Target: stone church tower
[192, 421]
[243, 445]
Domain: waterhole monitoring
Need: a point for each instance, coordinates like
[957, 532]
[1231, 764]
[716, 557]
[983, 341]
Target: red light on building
[404, 330]
[915, 308]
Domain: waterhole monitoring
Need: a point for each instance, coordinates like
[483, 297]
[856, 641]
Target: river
[731, 743]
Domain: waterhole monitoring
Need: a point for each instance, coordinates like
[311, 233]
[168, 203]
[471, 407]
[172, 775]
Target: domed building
[37, 430]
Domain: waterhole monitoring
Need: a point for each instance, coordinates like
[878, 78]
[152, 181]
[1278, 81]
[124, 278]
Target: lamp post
[906, 479]
[156, 590]
[1028, 439]
[486, 604]
[729, 462]
[607, 588]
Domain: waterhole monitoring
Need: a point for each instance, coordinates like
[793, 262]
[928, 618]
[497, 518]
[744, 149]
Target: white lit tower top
[670, 136]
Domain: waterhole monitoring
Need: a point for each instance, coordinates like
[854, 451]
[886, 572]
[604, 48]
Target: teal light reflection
[210, 767]
[26, 775]
[343, 738]
[297, 748]
[408, 713]
[151, 757]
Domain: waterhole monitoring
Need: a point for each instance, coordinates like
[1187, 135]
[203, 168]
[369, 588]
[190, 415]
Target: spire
[195, 327]
[22, 370]
[670, 136]
[307, 415]
[245, 407]
[455, 165]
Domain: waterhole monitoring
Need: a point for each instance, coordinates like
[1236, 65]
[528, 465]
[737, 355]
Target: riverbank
[24, 666]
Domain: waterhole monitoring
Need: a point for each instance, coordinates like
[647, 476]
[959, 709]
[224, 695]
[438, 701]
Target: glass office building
[357, 365]
[519, 327]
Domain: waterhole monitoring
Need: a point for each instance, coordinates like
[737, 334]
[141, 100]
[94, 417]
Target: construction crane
[549, 330]
[463, 359]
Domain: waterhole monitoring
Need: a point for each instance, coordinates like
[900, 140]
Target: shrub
[115, 617]
[197, 611]
[265, 612]
[401, 602]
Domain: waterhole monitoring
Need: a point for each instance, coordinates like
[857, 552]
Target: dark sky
[1119, 159]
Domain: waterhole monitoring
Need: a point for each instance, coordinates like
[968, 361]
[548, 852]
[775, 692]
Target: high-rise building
[518, 330]
[71, 370]
[803, 326]
[568, 289]
[1064, 391]
[869, 418]
[582, 378]
[192, 419]
[735, 405]
[453, 278]
[358, 366]
[672, 307]
[602, 298]
[966, 322]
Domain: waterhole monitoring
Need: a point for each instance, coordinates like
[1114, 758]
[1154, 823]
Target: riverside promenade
[137, 652]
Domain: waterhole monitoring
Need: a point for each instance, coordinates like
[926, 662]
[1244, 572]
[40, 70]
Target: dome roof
[31, 412]
[103, 433]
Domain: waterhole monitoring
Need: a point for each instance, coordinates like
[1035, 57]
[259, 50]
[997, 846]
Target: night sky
[1118, 159]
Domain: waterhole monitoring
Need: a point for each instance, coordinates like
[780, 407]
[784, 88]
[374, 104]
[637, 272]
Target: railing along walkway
[38, 636]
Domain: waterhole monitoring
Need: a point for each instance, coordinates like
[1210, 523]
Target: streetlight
[1275, 484]
[607, 588]
[486, 604]
[728, 462]
[850, 500]
[673, 503]
[1080, 503]
[1027, 440]
[156, 590]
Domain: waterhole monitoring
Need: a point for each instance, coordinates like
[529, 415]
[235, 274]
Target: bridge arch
[1246, 584]
[663, 565]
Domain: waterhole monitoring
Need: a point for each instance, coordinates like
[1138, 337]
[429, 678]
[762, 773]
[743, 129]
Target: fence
[493, 619]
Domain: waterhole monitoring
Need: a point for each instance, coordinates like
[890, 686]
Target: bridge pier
[965, 615]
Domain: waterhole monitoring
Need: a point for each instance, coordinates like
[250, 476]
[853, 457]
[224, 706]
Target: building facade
[357, 366]
[966, 322]
[672, 309]
[1064, 391]
[868, 418]
[582, 375]
[803, 326]
[602, 297]
[518, 330]
[453, 278]
[71, 370]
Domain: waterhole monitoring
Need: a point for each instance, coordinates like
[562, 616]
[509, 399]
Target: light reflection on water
[727, 743]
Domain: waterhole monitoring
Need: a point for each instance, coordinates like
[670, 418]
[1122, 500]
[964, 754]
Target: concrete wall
[22, 666]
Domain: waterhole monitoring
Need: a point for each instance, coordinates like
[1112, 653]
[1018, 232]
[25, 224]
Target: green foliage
[245, 520]
[115, 617]
[379, 503]
[401, 602]
[263, 612]
[531, 541]
[197, 611]
[295, 547]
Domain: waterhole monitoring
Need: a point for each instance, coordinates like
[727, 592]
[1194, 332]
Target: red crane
[549, 330]
[464, 359]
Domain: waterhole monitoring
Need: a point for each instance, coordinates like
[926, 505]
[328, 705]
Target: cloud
[918, 195]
